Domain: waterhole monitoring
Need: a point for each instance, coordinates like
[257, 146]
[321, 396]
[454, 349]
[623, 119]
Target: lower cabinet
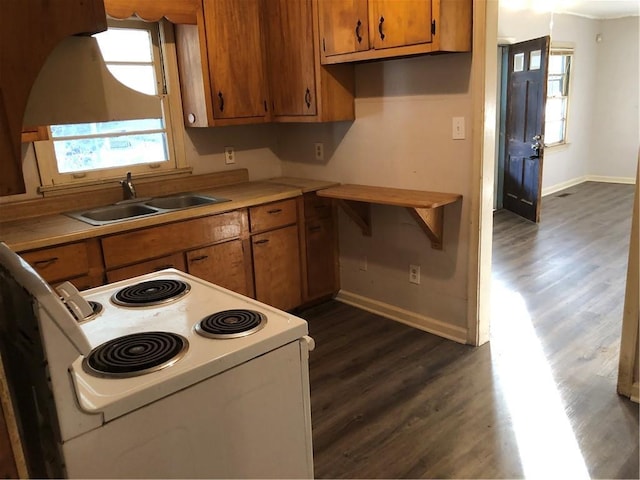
[282, 253]
[226, 264]
[276, 266]
[321, 256]
[320, 248]
[208, 247]
[170, 261]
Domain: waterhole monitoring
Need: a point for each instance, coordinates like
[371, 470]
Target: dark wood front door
[524, 138]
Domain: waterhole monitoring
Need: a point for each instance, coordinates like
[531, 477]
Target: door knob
[536, 145]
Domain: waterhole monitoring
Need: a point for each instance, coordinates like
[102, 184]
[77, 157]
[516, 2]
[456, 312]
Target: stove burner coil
[231, 324]
[153, 292]
[135, 354]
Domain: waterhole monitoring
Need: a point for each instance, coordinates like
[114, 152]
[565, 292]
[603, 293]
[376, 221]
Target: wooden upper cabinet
[397, 24]
[236, 58]
[392, 28]
[344, 25]
[221, 62]
[290, 57]
[301, 89]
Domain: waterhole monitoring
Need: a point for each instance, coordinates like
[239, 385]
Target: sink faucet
[128, 190]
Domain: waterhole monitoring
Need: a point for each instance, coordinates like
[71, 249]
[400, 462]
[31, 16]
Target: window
[557, 96]
[90, 152]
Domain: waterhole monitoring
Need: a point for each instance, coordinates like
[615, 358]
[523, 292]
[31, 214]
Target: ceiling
[585, 8]
[602, 8]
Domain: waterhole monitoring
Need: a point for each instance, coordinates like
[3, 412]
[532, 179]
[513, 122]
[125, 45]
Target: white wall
[401, 138]
[591, 98]
[616, 127]
[253, 145]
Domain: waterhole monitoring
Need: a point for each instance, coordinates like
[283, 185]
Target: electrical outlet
[457, 132]
[414, 274]
[363, 263]
[319, 151]
[229, 155]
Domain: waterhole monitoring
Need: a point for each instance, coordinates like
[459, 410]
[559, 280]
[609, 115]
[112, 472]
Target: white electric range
[162, 375]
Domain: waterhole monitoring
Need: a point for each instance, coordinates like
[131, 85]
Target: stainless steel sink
[114, 213]
[143, 208]
[188, 200]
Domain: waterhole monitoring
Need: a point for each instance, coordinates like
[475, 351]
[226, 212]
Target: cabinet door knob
[380, 28]
[199, 258]
[260, 242]
[314, 229]
[358, 36]
[221, 104]
[274, 211]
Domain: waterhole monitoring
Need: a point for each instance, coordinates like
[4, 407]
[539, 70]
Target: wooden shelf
[426, 207]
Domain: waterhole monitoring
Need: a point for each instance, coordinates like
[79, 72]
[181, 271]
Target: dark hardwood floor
[389, 401]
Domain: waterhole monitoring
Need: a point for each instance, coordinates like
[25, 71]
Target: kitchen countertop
[49, 230]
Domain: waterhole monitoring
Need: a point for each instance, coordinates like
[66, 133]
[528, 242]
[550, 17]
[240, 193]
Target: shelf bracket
[431, 221]
[360, 212]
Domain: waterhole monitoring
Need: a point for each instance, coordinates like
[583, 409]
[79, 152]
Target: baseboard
[603, 179]
[586, 178]
[451, 332]
[561, 186]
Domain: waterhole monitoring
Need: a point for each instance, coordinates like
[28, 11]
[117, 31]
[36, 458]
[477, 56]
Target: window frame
[166, 69]
[568, 52]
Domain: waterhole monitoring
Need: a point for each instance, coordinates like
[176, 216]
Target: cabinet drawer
[62, 262]
[139, 245]
[273, 215]
[316, 207]
[170, 261]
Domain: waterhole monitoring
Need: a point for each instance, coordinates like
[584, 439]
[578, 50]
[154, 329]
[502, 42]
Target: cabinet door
[236, 58]
[170, 261]
[322, 258]
[394, 24]
[276, 266]
[291, 60]
[344, 26]
[222, 264]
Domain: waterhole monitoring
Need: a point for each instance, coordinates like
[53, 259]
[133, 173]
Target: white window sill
[558, 147]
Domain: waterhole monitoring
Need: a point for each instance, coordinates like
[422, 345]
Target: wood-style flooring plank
[389, 401]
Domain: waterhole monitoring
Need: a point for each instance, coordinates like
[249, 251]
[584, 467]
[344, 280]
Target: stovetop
[204, 357]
